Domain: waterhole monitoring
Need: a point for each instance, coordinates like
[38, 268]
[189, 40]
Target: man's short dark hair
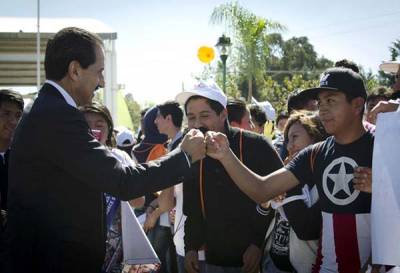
[214, 105]
[172, 108]
[70, 44]
[348, 64]
[258, 115]
[7, 95]
[296, 101]
[236, 110]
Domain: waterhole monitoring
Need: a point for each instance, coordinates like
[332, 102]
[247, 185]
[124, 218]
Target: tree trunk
[250, 89]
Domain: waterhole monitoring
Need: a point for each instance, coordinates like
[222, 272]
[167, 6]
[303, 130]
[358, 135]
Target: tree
[294, 56]
[277, 93]
[134, 110]
[387, 79]
[248, 35]
[370, 80]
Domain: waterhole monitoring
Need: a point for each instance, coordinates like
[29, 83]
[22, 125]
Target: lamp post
[223, 46]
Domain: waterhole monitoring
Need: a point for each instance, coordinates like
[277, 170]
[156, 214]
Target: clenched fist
[194, 145]
[217, 145]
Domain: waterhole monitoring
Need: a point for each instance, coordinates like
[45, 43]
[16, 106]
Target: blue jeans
[161, 239]
[181, 265]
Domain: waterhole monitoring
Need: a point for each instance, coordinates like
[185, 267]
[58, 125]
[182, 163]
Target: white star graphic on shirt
[342, 180]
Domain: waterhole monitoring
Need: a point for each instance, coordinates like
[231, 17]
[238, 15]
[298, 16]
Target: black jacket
[231, 222]
[57, 176]
[4, 179]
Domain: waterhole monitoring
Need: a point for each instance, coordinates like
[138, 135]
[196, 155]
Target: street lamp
[223, 46]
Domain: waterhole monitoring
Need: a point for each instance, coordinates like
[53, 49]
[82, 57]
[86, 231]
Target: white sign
[385, 210]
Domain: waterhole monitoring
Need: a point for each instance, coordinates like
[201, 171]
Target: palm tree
[248, 31]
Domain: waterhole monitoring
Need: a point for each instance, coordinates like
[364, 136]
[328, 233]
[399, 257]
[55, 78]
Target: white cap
[390, 67]
[268, 109]
[208, 90]
[125, 138]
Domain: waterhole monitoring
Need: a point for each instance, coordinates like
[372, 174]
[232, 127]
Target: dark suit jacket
[4, 180]
[57, 176]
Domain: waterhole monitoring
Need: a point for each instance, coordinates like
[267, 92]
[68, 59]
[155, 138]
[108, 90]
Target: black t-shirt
[333, 173]
[280, 251]
[345, 240]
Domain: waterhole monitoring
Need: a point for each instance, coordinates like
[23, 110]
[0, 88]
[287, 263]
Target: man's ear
[168, 117]
[224, 114]
[74, 70]
[358, 104]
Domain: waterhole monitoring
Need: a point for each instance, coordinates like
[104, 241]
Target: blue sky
[158, 39]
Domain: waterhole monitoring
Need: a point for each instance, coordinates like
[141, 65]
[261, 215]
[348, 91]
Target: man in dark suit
[58, 171]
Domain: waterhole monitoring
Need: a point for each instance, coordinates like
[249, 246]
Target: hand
[382, 107]
[194, 145]
[280, 198]
[172, 214]
[150, 222]
[192, 262]
[376, 268]
[362, 180]
[217, 145]
[251, 259]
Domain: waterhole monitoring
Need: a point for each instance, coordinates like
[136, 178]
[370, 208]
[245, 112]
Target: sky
[158, 39]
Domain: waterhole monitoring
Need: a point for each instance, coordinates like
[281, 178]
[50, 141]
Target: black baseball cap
[338, 79]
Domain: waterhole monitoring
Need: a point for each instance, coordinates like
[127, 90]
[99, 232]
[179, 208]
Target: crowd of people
[215, 193]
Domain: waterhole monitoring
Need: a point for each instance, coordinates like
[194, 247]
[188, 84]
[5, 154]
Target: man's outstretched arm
[258, 188]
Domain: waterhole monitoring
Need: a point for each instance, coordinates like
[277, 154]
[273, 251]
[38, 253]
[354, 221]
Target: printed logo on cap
[324, 80]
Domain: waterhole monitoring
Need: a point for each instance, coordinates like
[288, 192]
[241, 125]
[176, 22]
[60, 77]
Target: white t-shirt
[123, 157]
[179, 225]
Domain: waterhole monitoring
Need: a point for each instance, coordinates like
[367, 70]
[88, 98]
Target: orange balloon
[206, 54]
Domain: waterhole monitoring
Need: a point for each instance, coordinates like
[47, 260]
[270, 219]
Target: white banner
[385, 211]
[136, 246]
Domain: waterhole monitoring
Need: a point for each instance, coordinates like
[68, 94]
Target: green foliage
[134, 110]
[370, 80]
[384, 78]
[248, 32]
[395, 50]
[277, 93]
[294, 56]
[264, 65]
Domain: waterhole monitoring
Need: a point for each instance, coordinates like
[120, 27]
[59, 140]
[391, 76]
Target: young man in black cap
[345, 244]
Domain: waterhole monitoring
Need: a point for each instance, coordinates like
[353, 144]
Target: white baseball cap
[208, 90]
[125, 138]
[390, 67]
[268, 109]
